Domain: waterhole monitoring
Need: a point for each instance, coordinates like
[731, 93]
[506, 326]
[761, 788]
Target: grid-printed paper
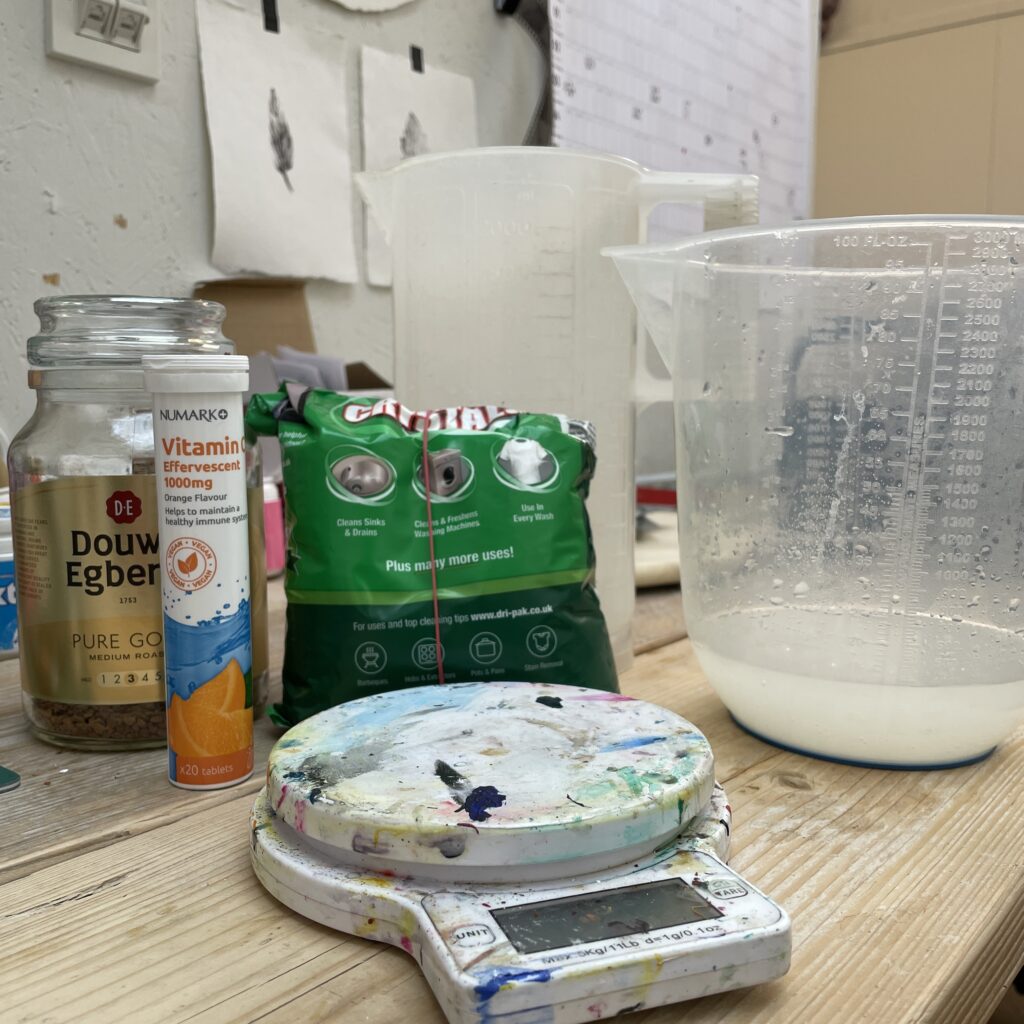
[695, 85]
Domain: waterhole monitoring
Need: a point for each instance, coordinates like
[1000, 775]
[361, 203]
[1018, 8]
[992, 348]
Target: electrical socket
[122, 36]
[94, 18]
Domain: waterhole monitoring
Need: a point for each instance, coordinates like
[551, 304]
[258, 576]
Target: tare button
[725, 888]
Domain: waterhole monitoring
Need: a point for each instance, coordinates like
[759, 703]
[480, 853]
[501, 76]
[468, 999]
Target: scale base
[476, 973]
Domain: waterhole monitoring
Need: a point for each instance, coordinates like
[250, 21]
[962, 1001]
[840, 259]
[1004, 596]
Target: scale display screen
[593, 916]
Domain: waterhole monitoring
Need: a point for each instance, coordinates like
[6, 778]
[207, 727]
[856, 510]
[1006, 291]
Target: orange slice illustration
[214, 720]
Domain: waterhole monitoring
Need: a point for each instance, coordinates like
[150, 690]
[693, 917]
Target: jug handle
[729, 200]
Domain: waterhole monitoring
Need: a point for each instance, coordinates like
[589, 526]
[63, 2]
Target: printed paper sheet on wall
[408, 113]
[278, 125]
[691, 85]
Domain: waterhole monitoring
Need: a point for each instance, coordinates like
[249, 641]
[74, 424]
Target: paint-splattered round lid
[501, 781]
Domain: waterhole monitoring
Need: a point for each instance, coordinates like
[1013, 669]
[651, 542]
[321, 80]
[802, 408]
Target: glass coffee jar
[86, 549]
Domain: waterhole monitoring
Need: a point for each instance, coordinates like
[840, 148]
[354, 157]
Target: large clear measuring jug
[501, 296]
[849, 401]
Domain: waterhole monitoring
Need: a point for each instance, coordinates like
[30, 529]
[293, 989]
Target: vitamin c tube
[204, 565]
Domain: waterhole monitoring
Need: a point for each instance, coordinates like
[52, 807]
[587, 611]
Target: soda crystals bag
[492, 578]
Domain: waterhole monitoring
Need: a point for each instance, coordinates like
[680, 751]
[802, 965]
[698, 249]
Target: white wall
[80, 147]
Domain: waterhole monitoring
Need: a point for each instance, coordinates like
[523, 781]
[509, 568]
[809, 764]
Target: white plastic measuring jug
[850, 448]
[501, 297]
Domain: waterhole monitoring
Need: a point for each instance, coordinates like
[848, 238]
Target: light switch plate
[63, 41]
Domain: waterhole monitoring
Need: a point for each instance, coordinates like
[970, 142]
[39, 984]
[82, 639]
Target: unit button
[469, 936]
[725, 888]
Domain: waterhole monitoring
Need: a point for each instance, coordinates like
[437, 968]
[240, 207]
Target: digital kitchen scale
[544, 852]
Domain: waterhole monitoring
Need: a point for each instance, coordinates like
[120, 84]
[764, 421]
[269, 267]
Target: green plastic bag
[512, 548]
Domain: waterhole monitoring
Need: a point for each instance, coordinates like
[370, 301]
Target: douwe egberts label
[88, 574]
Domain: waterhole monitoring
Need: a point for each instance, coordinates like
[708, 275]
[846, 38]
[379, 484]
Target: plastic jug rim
[550, 153]
[671, 250]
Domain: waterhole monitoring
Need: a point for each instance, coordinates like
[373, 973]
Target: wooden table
[125, 899]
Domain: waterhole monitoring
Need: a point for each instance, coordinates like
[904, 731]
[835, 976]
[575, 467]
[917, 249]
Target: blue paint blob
[493, 979]
[480, 799]
[637, 741]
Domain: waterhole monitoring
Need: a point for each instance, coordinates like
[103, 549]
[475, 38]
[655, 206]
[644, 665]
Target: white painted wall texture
[105, 182]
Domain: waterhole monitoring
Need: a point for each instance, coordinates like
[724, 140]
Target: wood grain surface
[124, 899]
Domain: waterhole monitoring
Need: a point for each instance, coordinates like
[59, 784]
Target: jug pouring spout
[378, 191]
[649, 272]
[416, 180]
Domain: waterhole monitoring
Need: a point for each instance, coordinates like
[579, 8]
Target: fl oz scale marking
[546, 853]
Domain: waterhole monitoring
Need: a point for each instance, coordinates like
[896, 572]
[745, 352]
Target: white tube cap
[195, 374]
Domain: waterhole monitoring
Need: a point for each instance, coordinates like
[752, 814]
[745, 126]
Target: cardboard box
[263, 313]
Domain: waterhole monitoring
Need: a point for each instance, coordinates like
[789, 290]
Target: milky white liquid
[867, 686]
